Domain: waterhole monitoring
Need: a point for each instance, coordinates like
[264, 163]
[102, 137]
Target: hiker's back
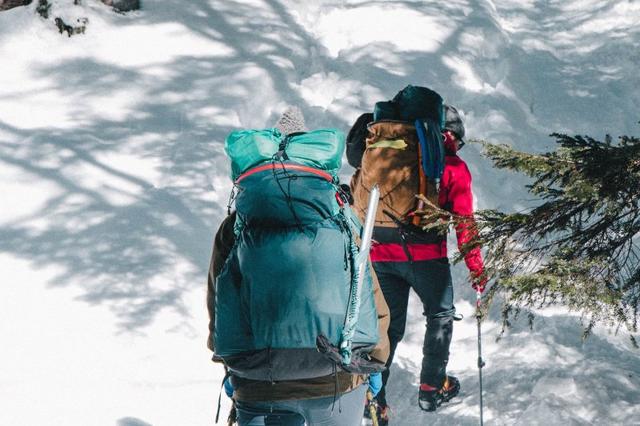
[392, 155]
[288, 277]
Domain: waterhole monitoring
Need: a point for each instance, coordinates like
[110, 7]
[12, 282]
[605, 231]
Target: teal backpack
[285, 290]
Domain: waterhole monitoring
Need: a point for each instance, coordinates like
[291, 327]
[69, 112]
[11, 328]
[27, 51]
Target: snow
[113, 180]
[339, 29]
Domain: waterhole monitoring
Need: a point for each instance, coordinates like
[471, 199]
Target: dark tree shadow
[122, 237]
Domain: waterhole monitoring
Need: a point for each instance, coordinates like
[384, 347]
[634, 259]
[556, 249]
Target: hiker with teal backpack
[296, 317]
[408, 146]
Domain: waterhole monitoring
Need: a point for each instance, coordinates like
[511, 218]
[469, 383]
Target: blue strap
[432, 146]
[427, 160]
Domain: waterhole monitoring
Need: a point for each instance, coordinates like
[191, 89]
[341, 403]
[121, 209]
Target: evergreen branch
[578, 246]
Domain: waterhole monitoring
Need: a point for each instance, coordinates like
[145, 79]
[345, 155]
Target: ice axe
[360, 266]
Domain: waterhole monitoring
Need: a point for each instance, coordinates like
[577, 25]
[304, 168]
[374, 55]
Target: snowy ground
[113, 179]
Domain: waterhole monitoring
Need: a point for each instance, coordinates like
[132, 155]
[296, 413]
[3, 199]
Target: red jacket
[456, 197]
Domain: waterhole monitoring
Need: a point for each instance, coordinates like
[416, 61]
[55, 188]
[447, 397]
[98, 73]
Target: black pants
[431, 280]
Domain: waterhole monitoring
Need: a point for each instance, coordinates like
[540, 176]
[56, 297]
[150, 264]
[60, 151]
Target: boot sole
[445, 398]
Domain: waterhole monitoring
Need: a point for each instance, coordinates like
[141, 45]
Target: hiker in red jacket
[407, 257]
[455, 194]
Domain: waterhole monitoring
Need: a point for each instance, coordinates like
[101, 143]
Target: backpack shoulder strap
[353, 221]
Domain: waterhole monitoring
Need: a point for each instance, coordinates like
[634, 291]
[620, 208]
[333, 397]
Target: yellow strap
[387, 143]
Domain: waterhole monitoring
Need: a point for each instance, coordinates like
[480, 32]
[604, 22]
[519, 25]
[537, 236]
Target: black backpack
[356, 138]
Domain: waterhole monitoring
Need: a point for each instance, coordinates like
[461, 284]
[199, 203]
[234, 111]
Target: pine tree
[579, 246]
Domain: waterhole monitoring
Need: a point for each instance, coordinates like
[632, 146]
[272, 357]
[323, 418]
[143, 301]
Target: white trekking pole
[480, 360]
[367, 233]
[360, 265]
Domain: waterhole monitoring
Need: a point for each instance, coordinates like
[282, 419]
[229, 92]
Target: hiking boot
[382, 413]
[430, 398]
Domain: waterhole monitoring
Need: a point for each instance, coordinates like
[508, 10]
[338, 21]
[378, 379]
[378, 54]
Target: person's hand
[375, 383]
[478, 280]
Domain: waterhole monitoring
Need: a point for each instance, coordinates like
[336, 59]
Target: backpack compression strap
[273, 166]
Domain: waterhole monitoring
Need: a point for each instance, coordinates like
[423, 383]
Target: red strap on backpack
[273, 166]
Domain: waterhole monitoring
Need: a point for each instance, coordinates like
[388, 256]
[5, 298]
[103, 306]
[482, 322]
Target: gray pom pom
[291, 121]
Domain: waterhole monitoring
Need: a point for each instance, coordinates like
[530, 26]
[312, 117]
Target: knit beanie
[291, 121]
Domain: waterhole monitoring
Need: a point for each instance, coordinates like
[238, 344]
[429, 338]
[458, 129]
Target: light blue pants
[346, 411]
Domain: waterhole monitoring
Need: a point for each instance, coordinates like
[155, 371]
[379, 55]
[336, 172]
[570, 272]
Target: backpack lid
[321, 148]
[416, 102]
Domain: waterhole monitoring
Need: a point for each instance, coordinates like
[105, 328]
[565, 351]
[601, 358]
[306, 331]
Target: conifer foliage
[579, 246]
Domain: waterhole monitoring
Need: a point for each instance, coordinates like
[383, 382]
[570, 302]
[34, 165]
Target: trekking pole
[372, 408]
[480, 361]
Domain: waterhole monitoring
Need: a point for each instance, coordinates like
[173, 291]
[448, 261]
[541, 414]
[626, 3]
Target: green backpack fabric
[288, 279]
[320, 148]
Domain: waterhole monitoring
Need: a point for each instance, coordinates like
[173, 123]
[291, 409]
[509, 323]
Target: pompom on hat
[291, 121]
